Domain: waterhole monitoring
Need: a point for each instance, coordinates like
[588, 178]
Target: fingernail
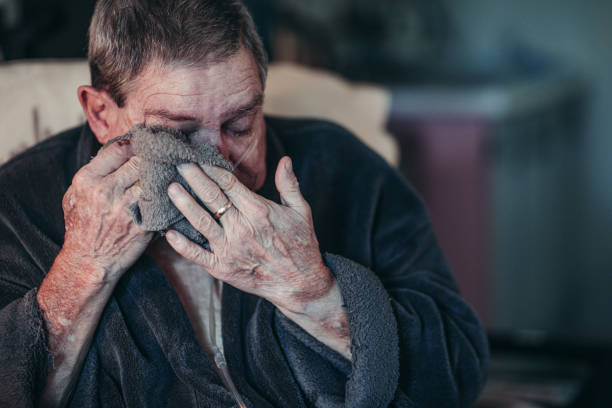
[288, 165]
[181, 167]
[173, 190]
[173, 237]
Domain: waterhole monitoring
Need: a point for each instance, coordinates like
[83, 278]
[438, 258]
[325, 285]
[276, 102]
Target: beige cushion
[295, 91]
[38, 99]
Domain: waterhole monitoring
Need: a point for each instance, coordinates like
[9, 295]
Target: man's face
[220, 104]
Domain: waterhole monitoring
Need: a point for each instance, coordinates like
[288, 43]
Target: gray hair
[127, 35]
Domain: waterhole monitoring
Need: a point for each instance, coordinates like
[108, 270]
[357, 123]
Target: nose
[212, 137]
[204, 135]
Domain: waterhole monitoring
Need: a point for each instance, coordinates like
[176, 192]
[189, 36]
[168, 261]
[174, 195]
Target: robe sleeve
[25, 359]
[415, 342]
[29, 216]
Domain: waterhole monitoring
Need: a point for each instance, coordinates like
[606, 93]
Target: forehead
[207, 90]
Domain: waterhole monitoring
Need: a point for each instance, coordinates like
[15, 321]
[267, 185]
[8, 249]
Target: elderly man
[331, 292]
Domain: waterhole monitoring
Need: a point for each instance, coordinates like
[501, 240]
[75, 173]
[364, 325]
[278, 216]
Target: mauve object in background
[496, 164]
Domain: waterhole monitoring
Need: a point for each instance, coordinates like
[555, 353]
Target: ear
[101, 112]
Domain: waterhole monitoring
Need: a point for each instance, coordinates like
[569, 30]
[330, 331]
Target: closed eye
[240, 126]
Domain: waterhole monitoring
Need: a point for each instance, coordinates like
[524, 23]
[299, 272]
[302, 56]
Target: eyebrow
[255, 103]
[164, 113]
[169, 115]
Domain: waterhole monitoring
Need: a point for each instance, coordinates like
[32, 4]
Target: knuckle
[264, 211]
[211, 195]
[190, 252]
[116, 152]
[260, 208]
[294, 186]
[118, 149]
[193, 252]
[227, 181]
[247, 234]
[294, 181]
[199, 257]
[101, 194]
[261, 211]
[267, 232]
[133, 164]
[134, 193]
[81, 177]
[203, 222]
[307, 208]
[68, 200]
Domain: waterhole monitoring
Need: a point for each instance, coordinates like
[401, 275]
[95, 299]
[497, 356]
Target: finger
[129, 202]
[126, 175]
[190, 250]
[196, 215]
[110, 158]
[132, 194]
[206, 189]
[289, 188]
[237, 192]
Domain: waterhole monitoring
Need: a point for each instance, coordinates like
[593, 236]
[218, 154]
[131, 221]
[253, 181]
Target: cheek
[251, 171]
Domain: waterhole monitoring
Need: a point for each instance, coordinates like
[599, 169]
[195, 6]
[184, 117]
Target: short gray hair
[126, 35]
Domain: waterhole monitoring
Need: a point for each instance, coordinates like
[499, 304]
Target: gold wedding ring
[223, 210]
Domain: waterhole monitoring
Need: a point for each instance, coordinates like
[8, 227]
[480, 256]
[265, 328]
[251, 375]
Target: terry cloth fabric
[414, 340]
[161, 150]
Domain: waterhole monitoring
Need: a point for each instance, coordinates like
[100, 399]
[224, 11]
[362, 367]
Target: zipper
[221, 365]
[218, 356]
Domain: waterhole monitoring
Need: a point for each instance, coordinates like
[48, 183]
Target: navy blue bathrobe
[414, 340]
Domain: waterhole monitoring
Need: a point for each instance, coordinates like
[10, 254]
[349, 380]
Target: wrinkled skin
[260, 247]
[98, 227]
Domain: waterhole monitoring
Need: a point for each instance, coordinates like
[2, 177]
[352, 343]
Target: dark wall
[45, 28]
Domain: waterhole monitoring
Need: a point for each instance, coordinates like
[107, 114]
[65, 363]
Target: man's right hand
[101, 242]
[99, 227]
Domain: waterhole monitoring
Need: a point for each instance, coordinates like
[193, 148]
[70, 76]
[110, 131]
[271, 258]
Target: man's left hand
[261, 247]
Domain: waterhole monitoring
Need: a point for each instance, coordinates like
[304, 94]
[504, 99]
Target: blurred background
[500, 111]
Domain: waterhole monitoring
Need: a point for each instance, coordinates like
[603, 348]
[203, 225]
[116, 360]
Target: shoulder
[326, 144]
[33, 183]
[49, 158]
[328, 158]
[306, 131]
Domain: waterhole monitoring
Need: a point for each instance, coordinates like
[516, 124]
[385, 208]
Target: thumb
[289, 188]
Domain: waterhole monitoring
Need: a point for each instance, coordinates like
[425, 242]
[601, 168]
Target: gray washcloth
[161, 149]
